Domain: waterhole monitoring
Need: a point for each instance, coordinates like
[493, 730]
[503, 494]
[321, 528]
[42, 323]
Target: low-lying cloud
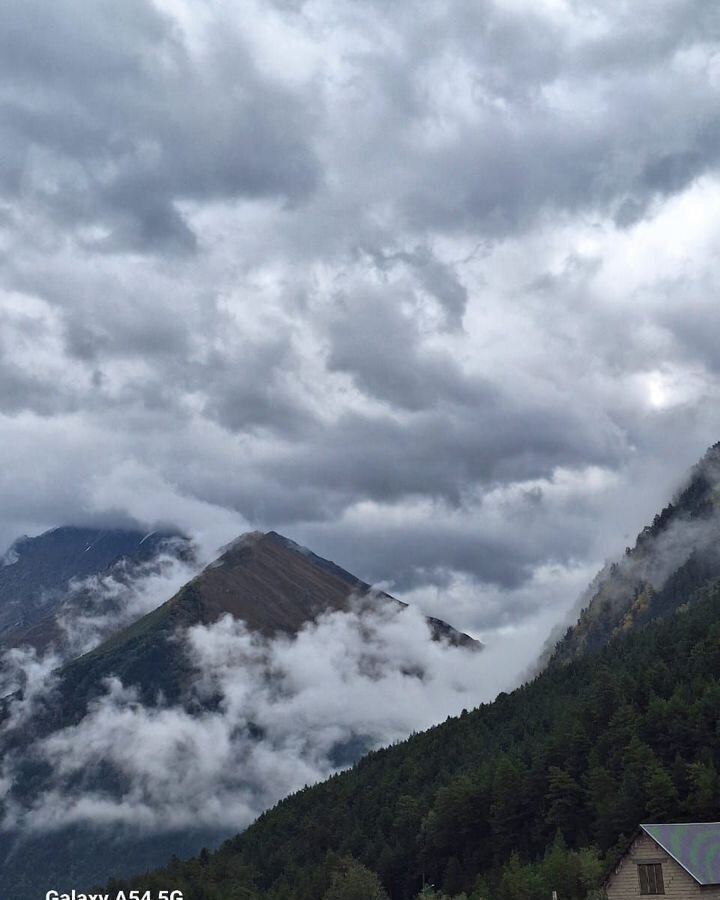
[274, 716]
[93, 609]
[100, 605]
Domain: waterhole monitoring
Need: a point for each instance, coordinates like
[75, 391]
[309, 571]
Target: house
[680, 861]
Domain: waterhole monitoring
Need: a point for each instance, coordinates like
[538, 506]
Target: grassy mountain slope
[579, 756]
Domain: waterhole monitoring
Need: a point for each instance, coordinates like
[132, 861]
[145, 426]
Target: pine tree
[662, 796]
[353, 881]
[703, 800]
[565, 803]
[453, 877]
[507, 807]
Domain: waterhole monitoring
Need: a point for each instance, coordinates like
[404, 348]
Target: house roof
[694, 845]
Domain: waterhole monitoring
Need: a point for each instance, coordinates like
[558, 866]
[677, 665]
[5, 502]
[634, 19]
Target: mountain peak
[247, 539]
[274, 584]
[253, 538]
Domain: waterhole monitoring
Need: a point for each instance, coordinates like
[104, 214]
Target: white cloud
[285, 713]
[100, 606]
[26, 677]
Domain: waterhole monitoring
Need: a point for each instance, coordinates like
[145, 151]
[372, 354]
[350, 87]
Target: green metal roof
[695, 845]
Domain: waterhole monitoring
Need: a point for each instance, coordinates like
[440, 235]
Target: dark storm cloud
[378, 343]
[433, 275]
[108, 122]
[252, 388]
[428, 284]
[20, 391]
[430, 552]
[441, 454]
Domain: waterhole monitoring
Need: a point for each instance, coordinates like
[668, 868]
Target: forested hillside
[673, 558]
[538, 790]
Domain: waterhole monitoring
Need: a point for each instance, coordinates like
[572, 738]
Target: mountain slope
[672, 561]
[265, 580]
[37, 574]
[276, 588]
[270, 583]
[579, 756]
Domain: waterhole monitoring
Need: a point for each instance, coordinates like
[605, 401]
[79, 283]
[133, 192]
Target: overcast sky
[431, 287]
